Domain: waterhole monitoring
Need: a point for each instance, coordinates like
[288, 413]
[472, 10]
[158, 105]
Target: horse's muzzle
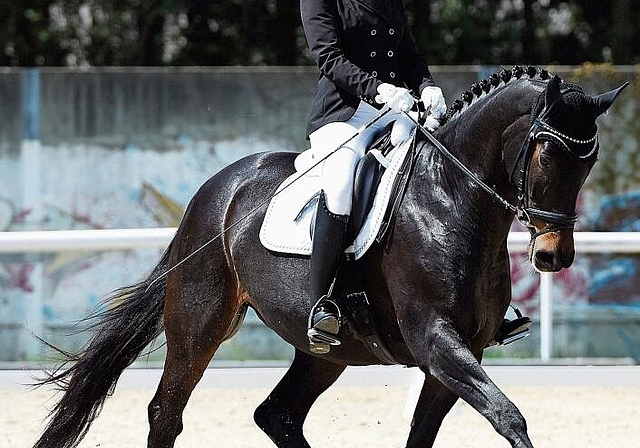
[552, 251]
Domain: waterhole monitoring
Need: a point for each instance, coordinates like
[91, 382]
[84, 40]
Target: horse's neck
[476, 136]
[476, 139]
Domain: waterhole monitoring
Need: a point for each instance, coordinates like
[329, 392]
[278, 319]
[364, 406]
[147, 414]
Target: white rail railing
[84, 240]
[124, 239]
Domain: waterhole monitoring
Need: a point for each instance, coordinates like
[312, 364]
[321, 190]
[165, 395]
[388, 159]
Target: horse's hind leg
[282, 414]
[198, 316]
[434, 403]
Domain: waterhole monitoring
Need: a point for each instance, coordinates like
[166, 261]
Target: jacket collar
[383, 8]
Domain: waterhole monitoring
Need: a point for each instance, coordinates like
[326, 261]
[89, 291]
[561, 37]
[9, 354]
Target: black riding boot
[328, 250]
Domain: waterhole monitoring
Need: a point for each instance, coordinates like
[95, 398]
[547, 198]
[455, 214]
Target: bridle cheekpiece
[540, 130]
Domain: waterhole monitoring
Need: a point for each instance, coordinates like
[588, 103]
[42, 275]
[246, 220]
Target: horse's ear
[604, 101]
[552, 93]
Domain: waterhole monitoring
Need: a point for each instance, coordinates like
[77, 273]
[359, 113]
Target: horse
[439, 283]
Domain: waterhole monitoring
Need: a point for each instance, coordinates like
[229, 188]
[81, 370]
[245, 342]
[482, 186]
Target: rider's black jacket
[357, 45]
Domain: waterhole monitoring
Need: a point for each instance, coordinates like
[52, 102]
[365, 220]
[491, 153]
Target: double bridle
[525, 212]
[540, 130]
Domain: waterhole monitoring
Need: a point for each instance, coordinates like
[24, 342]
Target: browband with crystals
[560, 137]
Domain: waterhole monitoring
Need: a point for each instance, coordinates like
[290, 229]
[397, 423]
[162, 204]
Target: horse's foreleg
[451, 362]
[282, 414]
[434, 403]
[448, 359]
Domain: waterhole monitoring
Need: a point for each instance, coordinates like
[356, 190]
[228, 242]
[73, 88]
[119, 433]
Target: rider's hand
[431, 123]
[398, 99]
[433, 101]
[402, 127]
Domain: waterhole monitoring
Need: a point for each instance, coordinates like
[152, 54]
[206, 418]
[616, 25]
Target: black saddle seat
[367, 178]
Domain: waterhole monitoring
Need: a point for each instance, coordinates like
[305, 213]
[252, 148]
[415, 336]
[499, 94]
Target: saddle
[367, 177]
[380, 181]
[358, 314]
[380, 176]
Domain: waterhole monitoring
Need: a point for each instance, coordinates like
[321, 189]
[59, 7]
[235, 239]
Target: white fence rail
[124, 239]
[84, 240]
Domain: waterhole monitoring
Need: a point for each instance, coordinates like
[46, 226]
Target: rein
[539, 130]
[494, 194]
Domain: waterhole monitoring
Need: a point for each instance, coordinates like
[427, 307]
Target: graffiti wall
[128, 148]
[93, 187]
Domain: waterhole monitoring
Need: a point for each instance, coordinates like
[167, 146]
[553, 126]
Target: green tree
[26, 38]
[526, 31]
[251, 32]
[268, 32]
[614, 31]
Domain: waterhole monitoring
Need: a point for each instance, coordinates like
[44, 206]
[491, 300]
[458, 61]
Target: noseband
[540, 130]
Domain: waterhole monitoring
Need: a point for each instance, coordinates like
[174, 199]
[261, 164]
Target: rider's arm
[319, 19]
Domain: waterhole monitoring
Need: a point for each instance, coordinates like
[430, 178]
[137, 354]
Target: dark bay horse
[439, 285]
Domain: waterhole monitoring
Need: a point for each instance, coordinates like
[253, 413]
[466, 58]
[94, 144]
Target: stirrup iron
[521, 330]
[326, 332]
[518, 328]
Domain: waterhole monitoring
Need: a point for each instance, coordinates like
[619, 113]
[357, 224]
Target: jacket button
[391, 31]
[373, 54]
[390, 53]
[374, 73]
[374, 32]
[392, 74]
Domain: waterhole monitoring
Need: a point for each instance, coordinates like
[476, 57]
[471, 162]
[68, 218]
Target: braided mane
[485, 86]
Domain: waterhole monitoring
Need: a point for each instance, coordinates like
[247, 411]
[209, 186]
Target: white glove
[402, 127]
[433, 101]
[431, 123]
[398, 99]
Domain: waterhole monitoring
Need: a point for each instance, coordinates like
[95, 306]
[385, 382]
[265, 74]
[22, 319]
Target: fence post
[31, 159]
[546, 316]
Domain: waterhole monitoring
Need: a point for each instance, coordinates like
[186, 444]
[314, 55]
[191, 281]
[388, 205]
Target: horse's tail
[132, 319]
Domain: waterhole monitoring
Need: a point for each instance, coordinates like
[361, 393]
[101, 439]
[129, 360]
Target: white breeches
[338, 170]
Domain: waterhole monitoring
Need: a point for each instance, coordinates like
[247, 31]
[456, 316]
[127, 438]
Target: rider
[368, 59]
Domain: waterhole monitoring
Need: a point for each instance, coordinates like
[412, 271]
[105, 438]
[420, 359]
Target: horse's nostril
[546, 261]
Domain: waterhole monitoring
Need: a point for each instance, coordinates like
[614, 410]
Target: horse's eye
[545, 159]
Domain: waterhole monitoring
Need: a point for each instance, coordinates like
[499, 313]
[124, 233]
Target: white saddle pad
[287, 224]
